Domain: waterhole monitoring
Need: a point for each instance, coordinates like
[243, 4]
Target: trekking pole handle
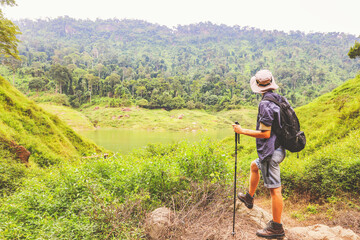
[237, 135]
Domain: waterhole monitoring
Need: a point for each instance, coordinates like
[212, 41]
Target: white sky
[286, 15]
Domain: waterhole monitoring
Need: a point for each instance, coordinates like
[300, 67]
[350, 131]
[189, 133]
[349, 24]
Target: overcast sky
[286, 15]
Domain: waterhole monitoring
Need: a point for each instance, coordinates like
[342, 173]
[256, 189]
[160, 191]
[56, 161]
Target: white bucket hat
[262, 82]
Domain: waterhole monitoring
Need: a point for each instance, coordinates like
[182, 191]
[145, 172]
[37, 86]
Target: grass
[47, 138]
[75, 119]
[162, 120]
[330, 163]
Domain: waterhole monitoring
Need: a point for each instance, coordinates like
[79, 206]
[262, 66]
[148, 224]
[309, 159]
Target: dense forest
[204, 65]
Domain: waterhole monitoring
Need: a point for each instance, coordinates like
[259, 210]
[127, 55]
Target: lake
[124, 140]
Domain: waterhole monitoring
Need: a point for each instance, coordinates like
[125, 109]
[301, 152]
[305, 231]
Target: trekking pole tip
[233, 233]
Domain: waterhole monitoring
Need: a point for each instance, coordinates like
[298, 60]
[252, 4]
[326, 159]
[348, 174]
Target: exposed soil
[342, 213]
[212, 218]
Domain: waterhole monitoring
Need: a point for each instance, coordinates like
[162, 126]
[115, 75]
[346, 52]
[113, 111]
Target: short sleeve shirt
[268, 113]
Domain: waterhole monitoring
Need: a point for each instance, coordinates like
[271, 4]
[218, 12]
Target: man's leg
[274, 228]
[276, 204]
[248, 198]
[254, 178]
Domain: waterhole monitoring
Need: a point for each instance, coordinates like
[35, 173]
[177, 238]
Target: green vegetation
[355, 50]
[75, 119]
[198, 66]
[159, 119]
[104, 116]
[107, 67]
[9, 31]
[25, 124]
[108, 198]
[330, 163]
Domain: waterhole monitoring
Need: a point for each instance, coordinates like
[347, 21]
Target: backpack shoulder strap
[271, 100]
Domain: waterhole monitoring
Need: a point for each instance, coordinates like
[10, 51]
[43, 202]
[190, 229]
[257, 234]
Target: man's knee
[275, 191]
[254, 167]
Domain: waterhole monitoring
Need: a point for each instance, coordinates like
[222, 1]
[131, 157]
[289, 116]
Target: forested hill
[196, 65]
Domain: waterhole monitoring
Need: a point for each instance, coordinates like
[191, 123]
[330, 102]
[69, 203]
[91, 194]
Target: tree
[14, 64]
[37, 83]
[112, 81]
[93, 81]
[8, 32]
[140, 90]
[355, 50]
[62, 77]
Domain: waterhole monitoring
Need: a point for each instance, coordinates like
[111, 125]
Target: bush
[326, 176]
[190, 104]
[115, 102]
[199, 105]
[104, 198]
[142, 103]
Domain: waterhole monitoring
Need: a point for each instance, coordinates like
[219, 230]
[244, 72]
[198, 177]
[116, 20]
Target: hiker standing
[270, 153]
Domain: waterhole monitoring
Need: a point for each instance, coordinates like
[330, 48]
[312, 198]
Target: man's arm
[264, 132]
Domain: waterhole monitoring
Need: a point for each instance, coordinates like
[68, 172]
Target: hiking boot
[273, 230]
[247, 199]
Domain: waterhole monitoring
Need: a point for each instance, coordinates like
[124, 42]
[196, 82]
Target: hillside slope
[44, 135]
[330, 162]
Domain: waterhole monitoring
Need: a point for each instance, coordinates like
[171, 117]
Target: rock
[127, 116]
[113, 117]
[126, 109]
[257, 215]
[21, 152]
[321, 232]
[120, 116]
[96, 108]
[316, 232]
[158, 222]
[181, 116]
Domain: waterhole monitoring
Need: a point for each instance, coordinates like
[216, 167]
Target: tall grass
[86, 200]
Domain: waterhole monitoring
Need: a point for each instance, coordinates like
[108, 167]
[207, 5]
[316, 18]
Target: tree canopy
[200, 65]
[355, 50]
[8, 33]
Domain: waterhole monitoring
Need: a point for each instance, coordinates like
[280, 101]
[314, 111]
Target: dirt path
[212, 219]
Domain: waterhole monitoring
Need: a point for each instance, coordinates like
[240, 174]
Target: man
[269, 152]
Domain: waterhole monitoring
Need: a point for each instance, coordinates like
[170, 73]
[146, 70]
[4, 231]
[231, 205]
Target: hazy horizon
[282, 15]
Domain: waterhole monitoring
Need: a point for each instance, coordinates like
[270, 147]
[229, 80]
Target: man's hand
[237, 128]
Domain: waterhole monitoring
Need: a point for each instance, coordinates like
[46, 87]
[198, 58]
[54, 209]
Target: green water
[124, 141]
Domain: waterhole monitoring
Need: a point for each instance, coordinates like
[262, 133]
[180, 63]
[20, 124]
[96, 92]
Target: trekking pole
[237, 140]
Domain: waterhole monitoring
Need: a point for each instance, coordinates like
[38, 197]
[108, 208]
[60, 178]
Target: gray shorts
[271, 172]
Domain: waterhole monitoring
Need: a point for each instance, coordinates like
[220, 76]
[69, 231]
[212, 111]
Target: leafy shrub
[115, 102]
[107, 197]
[190, 104]
[143, 103]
